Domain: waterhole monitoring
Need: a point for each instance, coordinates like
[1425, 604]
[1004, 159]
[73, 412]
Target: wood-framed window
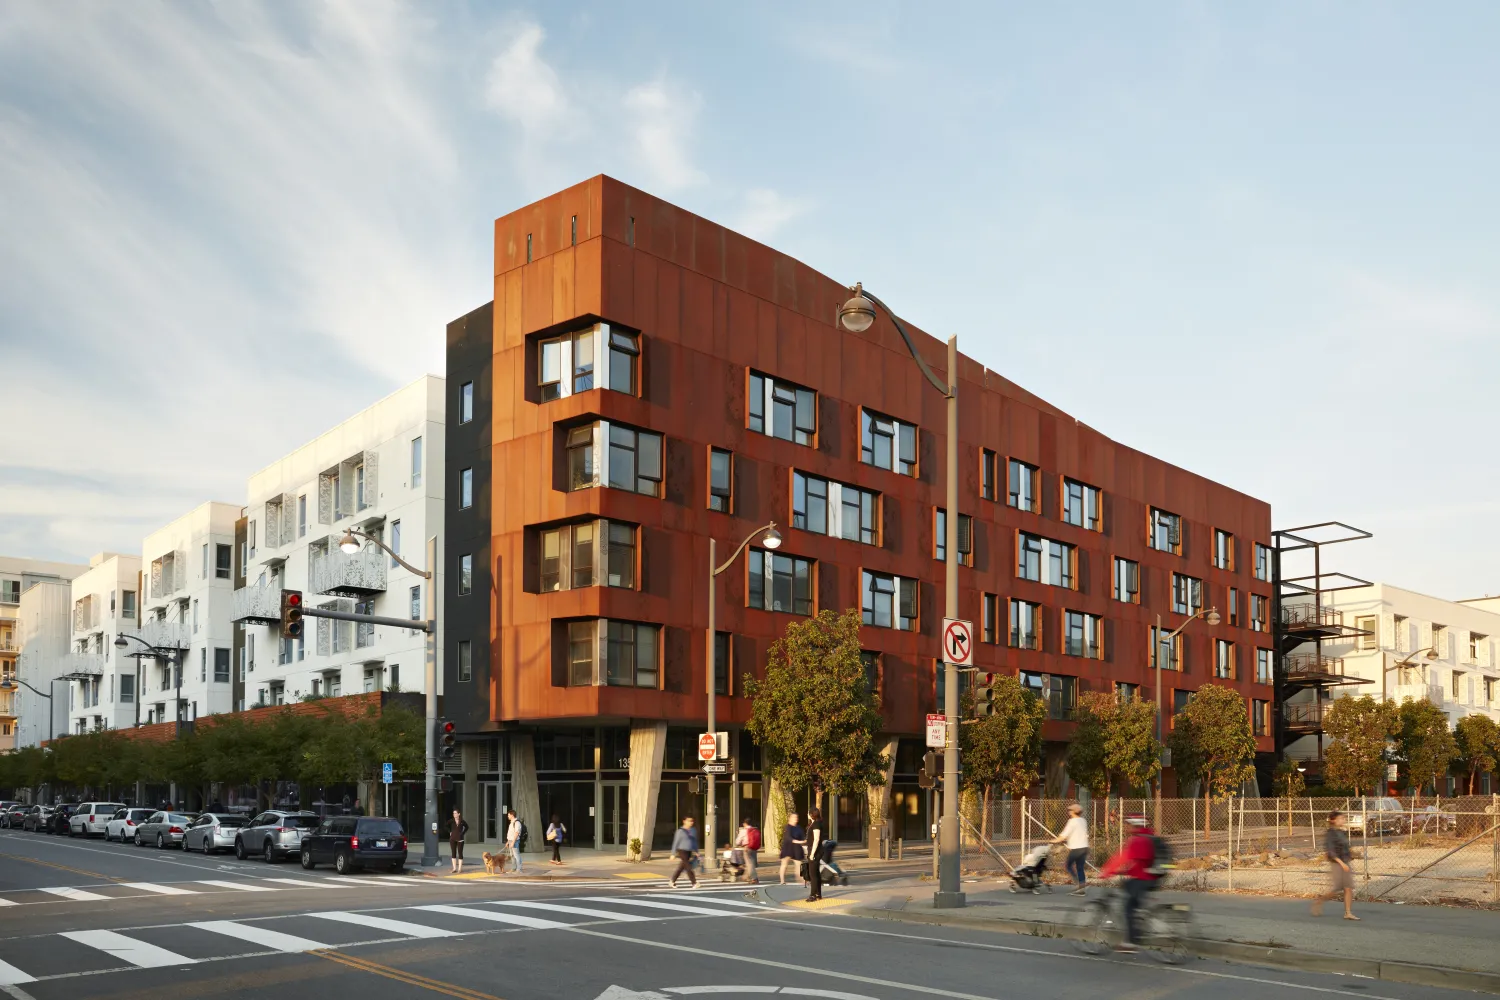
[781, 409]
[887, 443]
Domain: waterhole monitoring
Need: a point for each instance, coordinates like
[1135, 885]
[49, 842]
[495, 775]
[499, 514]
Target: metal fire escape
[1302, 624]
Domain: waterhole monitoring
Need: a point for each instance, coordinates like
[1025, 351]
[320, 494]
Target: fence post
[1364, 833]
[1495, 842]
[1229, 841]
[1312, 830]
[1194, 801]
[1023, 826]
[1276, 822]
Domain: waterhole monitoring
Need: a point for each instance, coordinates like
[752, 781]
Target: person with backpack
[1137, 863]
[556, 832]
[747, 845]
[515, 838]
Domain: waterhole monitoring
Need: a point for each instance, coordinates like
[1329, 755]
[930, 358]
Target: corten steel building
[645, 379]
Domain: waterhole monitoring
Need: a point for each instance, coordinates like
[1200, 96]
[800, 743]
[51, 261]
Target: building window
[571, 554]
[1082, 505]
[466, 402]
[1056, 691]
[989, 618]
[887, 443]
[360, 500]
[940, 537]
[632, 461]
[1458, 676]
[1260, 613]
[989, 464]
[465, 574]
[1126, 692]
[127, 603]
[1489, 691]
[723, 662]
[1233, 595]
[415, 598]
[465, 660]
[1187, 594]
[782, 410]
[889, 601]
[1165, 531]
[1265, 670]
[1043, 560]
[395, 542]
[780, 582]
[221, 666]
[223, 557]
[721, 480]
[1025, 625]
[1262, 562]
[1224, 660]
[825, 507]
[1083, 635]
[1024, 492]
[567, 365]
[465, 488]
[127, 689]
[624, 358]
[416, 463]
[1127, 581]
[249, 538]
[1260, 717]
[1367, 624]
[1476, 640]
[301, 517]
[629, 654]
[1167, 651]
[1223, 550]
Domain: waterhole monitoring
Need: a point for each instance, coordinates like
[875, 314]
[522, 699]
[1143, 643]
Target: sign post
[387, 772]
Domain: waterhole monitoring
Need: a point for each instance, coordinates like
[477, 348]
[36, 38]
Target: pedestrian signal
[927, 776]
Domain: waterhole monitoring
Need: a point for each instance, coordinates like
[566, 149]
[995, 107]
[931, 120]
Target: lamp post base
[949, 900]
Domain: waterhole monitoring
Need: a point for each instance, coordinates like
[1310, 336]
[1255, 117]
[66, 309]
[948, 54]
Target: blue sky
[230, 225]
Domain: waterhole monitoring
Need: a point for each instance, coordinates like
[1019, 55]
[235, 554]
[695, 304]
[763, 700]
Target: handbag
[805, 872]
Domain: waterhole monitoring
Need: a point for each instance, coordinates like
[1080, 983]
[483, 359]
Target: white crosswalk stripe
[582, 911]
[515, 919]
[661, 905]
[68, 892]
[385, 924]
[10, 975]
[300, 883]
[255, 934]
[706, 898]
[242, 886]
[164, 890]
[348, 880]
[137, 953]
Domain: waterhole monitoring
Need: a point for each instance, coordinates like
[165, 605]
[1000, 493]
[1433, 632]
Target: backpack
[1162, 851]
[521, 837]
[752, 839]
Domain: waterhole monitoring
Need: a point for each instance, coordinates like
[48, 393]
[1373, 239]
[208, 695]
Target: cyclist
[1136, 863]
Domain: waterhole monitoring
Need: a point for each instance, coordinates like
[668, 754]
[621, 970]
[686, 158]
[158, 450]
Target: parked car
[350, 843]
[37, 818]
[5, 807]
[13, 815]
[89, 818]
[61, 814]
[1384, 815]
[164, 829]
[1431, 819]
[122, 824]
[213, 832]
[274, 834]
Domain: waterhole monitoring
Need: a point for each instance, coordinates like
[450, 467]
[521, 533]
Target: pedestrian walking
[1075, 834]
[747, 844]
[817, 842]
[456, 834]
[791, 845]
[515, 838]
[684, 847]
[555, 834]
[1340, 870]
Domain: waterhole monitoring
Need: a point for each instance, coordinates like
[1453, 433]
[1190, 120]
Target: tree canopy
[1359, 729]
[1115, 743]
[1477, 743]
[1211, 741]
[1424, 743]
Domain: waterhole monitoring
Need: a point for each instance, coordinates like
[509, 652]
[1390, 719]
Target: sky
[1256, 240]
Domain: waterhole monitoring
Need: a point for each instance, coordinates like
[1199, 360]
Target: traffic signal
[984, 698]
[291, 614]
[447, 739]
[927, 776]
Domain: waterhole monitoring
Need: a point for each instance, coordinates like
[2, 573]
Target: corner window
[780, 582]
[465, 660]
[632, 459]
[1164, 531]
[940, 537]
[465, 574]
[1025, 625]
[1043, 560]
[721, 480]
[887, 443]
[1127, 580]
[825, 507]
[1187, 594]
[1083, 635]
[615, 653]
[466, 402]
[889, 601]
[1223, 550]
[594, 553]
[1082, 505]
[1023, 492]
[566, 364]
[1262, 562]
[782, 410]
[988, 466]
[465, 488]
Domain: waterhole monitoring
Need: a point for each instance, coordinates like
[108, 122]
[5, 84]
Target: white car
[90, 818]
[122, 825]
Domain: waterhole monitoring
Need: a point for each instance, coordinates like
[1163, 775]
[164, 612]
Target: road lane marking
[387, 924]
[402, 976]
[54, 864]
[701, 898]
[68, 892]
[9, 902]
[301, 883]
[659, 905]
[582, 911]
[9, 974]
[242, 886]
[137, 953]
[165, 890]
[263, 936]
[517, 919]
[349, 879]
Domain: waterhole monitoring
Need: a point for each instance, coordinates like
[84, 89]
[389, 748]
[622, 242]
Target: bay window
[614, 455]
[588, 554]
[614, 653]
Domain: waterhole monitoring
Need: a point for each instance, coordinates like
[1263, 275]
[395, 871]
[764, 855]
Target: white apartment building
[379, 472]
[23, 714]
[45, 621]
[187, 578]
[105, 602]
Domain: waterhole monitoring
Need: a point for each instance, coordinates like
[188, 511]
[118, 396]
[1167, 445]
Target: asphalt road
[88, 919]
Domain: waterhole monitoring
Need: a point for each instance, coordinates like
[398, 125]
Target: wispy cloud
[661, 125]
[763, 212]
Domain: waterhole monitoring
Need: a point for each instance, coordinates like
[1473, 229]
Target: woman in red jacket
[1136, 863]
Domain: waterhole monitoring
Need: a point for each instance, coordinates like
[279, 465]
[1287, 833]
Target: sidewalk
[1428, 945]
[584, 863]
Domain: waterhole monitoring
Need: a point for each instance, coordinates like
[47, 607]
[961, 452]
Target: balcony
[1305, 718]
[8, 644]
[341, 574]
[1304, 670]
[256, 605]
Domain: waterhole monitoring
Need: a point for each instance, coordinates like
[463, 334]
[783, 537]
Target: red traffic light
[448, 727]
[294, 599]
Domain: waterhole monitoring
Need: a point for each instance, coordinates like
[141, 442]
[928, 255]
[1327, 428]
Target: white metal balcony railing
[85, 664]
[86, 613]
[256, 604]
[344, 575]
[157, 633]
[8, 644]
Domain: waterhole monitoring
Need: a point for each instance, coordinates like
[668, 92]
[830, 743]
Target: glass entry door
[490, 803]
[614, 814]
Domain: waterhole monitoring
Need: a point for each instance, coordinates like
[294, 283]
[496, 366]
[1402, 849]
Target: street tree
[1211, 742]
[1002, 750]
[1424, 743]
[1359, 729]
[1477, 742]
[815, 714]
[1131, 750]
[1085, 761]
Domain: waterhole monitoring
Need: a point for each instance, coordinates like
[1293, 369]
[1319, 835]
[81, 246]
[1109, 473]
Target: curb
[1410, 973]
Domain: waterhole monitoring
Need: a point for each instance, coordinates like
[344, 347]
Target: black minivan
[350, 843]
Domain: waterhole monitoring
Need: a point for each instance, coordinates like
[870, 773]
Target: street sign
[958, 642]
[387, 773]
[1392, 772]
[708, 746]
[718, 767]
[937, 731]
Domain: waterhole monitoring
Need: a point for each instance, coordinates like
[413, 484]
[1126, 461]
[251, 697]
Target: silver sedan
[213, 832]
[163, 829]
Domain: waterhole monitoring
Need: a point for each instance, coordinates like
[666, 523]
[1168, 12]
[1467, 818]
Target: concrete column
[648, 749]
[880, 800]
[778, 806]
[526, 800]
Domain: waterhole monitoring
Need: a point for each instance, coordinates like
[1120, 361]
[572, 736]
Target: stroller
[832, 873]
[1028, 877]
[731, 865]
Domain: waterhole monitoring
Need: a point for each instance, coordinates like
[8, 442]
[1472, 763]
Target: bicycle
[1166, 927]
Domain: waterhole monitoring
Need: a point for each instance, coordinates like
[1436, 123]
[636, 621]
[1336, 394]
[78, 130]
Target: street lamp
[771, 539]
[1430, 654]
[172, 654]
[1210, 615]
[350, 545]
[857, 315]
[8, 683]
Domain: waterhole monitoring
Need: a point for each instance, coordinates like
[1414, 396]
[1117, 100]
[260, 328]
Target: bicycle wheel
[1093, 927]
[1168, 932]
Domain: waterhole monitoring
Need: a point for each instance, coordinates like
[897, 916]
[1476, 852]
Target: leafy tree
[1131, 750]
[1211, 741]
[1424, 744]
[1288, 781]
[1359, 728]
[1003, 749]
[1085, 761]
[1477, 740]
[814, 715]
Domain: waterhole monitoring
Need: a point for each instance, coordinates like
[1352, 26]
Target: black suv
[61, 817]
[355, 842]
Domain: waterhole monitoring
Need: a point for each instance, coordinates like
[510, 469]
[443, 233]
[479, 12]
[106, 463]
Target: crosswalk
[128, 890]
[87, 952]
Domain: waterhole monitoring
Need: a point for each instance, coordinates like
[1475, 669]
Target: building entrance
[615, 814]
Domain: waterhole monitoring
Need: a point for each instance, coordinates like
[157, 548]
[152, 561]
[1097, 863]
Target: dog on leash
[494, 864]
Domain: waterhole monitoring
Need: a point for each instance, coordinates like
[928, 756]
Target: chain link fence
[1411, 850]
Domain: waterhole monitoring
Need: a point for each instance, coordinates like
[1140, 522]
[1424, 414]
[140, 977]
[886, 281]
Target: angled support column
[648, 749]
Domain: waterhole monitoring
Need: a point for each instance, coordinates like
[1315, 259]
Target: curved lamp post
[771, 539]
[173, 656]
[1428, 654]
[9, 684]
[1210, 615]
[857, 315]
